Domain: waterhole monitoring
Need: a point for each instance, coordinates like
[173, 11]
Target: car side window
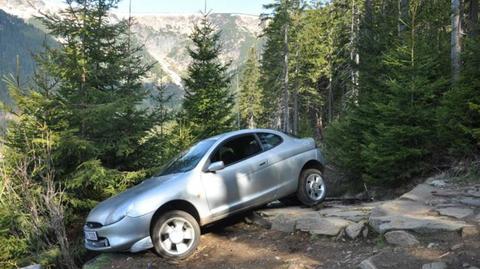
[237, 149]
[269, 140]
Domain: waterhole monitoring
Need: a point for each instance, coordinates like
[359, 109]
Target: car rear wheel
[176, 235]
[311, 187]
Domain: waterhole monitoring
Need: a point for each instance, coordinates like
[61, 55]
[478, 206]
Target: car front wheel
[311, 187]
[176, 235]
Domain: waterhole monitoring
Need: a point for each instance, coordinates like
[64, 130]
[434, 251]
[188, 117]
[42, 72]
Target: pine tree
[461, 112]
[391, 135]
[208, 103]
[276, 64]
[250, 96]
[99, 84]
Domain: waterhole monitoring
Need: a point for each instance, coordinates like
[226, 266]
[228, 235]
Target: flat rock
[474, 192]
[353, 230]
[469, 231]
[367, 264]
[401, 238]
[322, 225]
[421, 192]
[470, 201]
[283, 223]
[346, 213]
[33, 266]
[439, 183]
[435, 265]
[456, 212]
[409, 213]
[417, 224]
[292, 211]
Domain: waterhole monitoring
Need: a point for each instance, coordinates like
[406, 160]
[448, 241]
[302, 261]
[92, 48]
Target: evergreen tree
[208, 102]
[391, 135]
[460, 116]
[250, 96]
[86, 96]
[275, 64]
[99, 84]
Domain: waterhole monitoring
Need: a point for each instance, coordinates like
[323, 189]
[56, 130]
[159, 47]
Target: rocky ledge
[433, 208]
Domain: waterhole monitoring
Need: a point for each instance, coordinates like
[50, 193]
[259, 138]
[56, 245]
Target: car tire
[175, 235]
[311, 187]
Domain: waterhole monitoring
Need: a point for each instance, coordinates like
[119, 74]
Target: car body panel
[259, 179]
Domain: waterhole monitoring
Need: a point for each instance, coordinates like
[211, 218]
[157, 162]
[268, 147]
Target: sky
[253, 7]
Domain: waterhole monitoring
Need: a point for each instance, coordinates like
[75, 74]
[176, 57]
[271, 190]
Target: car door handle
[263, 163]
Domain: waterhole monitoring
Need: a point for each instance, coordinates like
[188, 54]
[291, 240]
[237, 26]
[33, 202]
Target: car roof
[243, 131]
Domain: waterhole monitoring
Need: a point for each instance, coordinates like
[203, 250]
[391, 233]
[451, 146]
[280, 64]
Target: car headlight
[119, 213]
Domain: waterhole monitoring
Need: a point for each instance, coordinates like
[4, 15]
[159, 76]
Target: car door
[235, 186]
[275, 172]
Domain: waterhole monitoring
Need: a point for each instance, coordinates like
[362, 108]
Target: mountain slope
[165, 38]
[18, 40]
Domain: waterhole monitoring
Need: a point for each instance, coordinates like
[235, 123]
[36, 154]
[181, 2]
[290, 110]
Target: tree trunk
[354, 56]
[368, 9]
[473, 18]
[456, 46]
[402, 15]
[295, 99]
[285, 101]
[330, 100]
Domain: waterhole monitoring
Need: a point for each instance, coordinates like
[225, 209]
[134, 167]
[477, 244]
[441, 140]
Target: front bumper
[129, 234]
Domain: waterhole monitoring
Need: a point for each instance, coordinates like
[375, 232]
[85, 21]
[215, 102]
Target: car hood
[103, 210]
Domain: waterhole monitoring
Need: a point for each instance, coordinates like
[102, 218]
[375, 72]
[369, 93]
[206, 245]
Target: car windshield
[188, 159]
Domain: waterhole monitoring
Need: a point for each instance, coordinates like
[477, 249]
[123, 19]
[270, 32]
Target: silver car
[215, 178]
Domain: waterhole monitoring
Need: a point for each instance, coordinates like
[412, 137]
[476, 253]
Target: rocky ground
[433, 226]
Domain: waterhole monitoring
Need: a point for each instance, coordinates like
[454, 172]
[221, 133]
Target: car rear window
[269, 140]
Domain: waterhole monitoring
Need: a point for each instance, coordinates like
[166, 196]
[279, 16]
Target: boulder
[435, 265]
[456, 212]
[401, 238]
[354, 229]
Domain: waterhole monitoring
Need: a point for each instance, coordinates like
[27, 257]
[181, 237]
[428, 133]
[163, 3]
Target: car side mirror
[216, 166]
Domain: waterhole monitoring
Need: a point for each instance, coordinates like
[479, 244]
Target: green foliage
[92, 182]
[13, 248]
[208, 101]
[280, 16]
[78, 131]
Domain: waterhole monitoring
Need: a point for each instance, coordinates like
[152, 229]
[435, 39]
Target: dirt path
[235, 244]
[444, 222]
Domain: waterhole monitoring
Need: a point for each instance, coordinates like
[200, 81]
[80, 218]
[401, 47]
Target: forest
[390, 90]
